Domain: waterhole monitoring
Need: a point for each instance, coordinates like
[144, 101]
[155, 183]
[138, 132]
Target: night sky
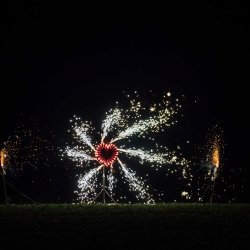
[57, 61]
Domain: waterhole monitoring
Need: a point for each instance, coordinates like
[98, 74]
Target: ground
[163, 226]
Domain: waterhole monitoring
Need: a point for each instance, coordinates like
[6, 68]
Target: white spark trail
[108, 124]
[88, 185]
[111, 182]
[137, 128]
[82, 133]
[152, 124]
[79, 155]
[145, 155]
[136, 185]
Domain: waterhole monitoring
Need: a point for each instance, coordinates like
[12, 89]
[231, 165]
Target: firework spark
[88, 185]
[3, 155]
[118, 129]
[214, 151]
[215, 157]
[26, 149]
[215, 147]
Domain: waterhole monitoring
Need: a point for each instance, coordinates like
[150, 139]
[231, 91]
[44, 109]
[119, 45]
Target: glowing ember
[213, 163]
[3, 157]
[106, 154]
[216, 156]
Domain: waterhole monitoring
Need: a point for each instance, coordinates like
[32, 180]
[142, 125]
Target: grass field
[164, 226]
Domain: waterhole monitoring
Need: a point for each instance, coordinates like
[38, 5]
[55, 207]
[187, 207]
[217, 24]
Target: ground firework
[213, 161]
[215, 147]
[120, 129]
[26, 149]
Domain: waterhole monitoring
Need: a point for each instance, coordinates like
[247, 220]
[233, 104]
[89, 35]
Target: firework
[3, 156]
[106, 154]
[26, 149]
[214, 148]
[119, 129]
[25, 153]
[215, 157]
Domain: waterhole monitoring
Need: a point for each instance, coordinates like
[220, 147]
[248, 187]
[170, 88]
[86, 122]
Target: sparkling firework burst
[3, 156]
[214, 149]
[118, 130]
[26, 149]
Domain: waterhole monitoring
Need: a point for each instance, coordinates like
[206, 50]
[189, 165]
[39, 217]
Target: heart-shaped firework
[106, 154]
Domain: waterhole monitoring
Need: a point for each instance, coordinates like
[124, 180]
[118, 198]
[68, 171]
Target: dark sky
[59, 60]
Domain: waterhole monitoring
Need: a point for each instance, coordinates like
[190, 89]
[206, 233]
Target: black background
[58, 60]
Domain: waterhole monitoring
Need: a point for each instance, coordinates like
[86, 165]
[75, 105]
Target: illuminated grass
[172, 226]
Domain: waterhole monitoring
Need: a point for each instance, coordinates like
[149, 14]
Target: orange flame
[2, 157]
[216, 156]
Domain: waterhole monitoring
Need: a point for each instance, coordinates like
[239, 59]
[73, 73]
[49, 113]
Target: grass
[163, 226]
